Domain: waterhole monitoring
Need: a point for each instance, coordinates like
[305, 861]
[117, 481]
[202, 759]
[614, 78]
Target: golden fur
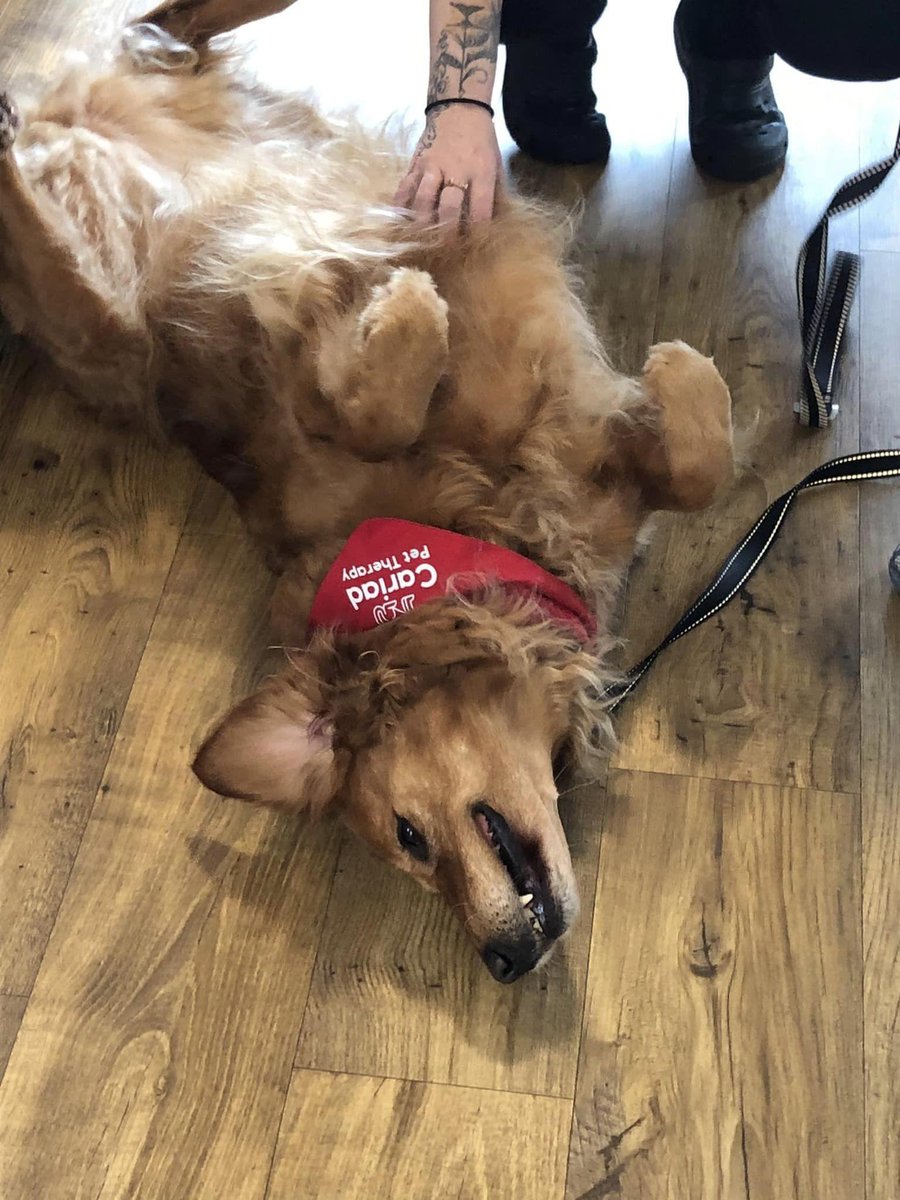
[223, 263]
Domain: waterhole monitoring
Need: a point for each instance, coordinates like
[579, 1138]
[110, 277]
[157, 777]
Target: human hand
[455, 170]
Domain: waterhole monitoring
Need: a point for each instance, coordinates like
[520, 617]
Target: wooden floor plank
[157, 1047]
[87, 536]
[354, 1137]
[880, 105]
[722, 1048]
[399, 991]
[11, 1010]
[88, 529]
[880, 643]
[716, 704]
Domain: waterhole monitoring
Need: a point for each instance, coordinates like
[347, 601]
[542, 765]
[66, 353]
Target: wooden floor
[201, 1001]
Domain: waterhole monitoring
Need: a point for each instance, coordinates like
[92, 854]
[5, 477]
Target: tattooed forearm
[466, 51]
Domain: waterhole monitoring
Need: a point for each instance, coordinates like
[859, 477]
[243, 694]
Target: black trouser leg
[726, 28]
[560, 21]
[548, 101]
[835, 39]
[551, 48]
[736, 129]
[838, 39]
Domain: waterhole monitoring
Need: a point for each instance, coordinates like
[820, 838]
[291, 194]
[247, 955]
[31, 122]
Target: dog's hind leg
[194, 22]
[380, 366]
[45, 294]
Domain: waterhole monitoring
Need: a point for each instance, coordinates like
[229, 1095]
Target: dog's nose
[506, 961]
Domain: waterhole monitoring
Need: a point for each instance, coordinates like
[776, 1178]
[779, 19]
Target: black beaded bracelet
[458, 100]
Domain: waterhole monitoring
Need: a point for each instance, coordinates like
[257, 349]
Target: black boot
[737, 131]
[549, 104]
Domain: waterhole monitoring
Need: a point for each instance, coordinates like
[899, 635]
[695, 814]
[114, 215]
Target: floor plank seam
[312, 974]
[113, 742]
[752, 783]
[562, 1097]
[584, 1001]
[292, 1061]
[657, 307]
[865, 1149]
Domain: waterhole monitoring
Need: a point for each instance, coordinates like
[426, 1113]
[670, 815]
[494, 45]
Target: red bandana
[389, 567]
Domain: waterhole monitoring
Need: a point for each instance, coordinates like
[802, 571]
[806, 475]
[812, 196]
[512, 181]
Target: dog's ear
[271, 749]
[675, 443]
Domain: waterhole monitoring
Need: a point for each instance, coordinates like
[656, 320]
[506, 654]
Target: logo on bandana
[392, 609]
[378, 581]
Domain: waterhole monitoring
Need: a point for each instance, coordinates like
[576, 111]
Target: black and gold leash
[824, 299]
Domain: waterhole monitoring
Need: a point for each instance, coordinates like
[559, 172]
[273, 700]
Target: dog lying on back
[223, 263]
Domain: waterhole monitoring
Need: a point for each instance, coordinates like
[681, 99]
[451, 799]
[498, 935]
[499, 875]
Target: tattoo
[429, 134]
[430, 131]
[465, 50]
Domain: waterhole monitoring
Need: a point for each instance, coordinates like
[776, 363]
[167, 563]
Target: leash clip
[832, 411]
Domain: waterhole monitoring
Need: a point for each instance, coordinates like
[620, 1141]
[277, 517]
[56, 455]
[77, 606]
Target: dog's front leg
[380, 366]
[194, 22]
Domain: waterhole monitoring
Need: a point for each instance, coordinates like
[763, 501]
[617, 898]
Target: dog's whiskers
[577, 787]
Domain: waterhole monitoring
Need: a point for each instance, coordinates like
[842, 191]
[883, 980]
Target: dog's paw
[403, 345]
[693, 424]
[9, 122]
[409, 305]
[685, 382]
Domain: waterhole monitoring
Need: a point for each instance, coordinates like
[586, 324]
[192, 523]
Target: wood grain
[880, 688]
[399, 991]
[157, 1046]
[721, 1053]
[879, 227]
[11, 1010]
[716, 703]
[416, 1141]
[87, 536]
[88, 528]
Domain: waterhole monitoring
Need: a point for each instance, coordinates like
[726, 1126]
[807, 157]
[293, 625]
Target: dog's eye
[410, 839]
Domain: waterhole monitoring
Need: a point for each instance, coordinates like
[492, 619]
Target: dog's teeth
[526, 899]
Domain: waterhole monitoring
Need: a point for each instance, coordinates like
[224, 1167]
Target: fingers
[451, 204]
[425, 200]
[407, 188]
[455, 172]
[481, 198]
[431, 198]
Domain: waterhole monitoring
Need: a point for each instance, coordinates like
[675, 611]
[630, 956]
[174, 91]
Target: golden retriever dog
[426, 423]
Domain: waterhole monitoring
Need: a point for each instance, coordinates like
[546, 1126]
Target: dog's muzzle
[508, 958]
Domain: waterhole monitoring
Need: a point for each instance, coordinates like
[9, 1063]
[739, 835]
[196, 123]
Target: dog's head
[433, 739]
